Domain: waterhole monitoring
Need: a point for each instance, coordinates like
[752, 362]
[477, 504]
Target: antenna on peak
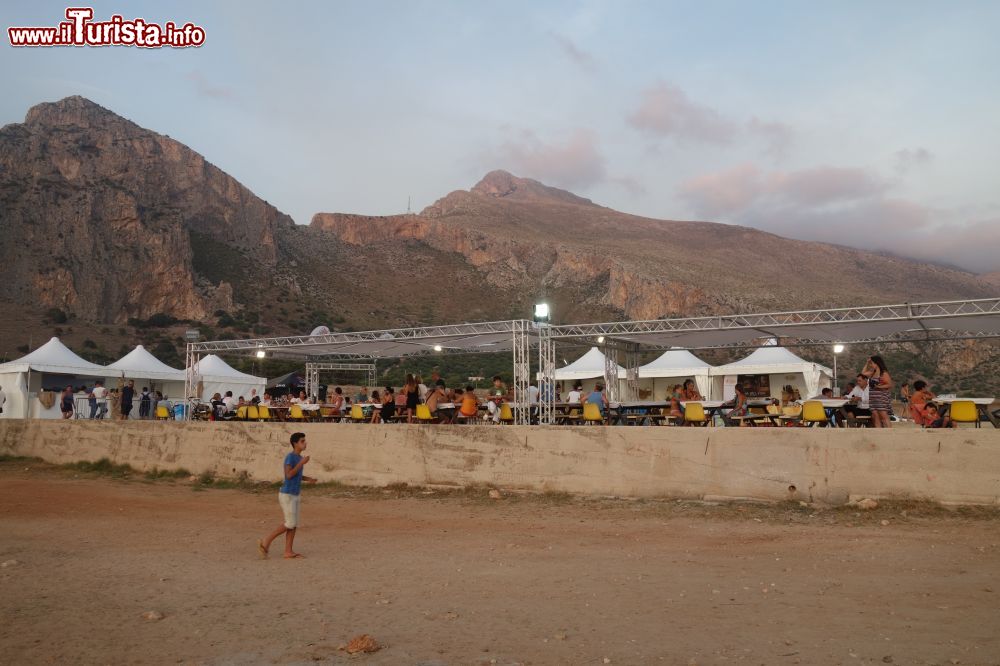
[408, 204]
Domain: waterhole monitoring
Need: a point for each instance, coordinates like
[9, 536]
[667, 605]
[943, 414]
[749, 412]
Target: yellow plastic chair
[253, 413]
[694, 413]
[813, 414]
[241, 413]
[263, 413]
[506, 416]
[964, 411]
[424, 414]
[358, 414]
[295, 413]
[592, 414]
[162, 413]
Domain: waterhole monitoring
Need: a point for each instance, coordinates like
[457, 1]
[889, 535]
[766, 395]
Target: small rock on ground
[152, 615]
[362, 643]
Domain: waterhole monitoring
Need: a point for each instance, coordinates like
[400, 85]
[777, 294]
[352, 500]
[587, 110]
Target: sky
[868, 124]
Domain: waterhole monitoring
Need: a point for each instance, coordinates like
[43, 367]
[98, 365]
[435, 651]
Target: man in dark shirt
[128, 394]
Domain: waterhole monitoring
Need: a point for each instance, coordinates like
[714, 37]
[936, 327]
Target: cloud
[630, 185]
[575, 162]
[746, 185]
[207, 89]
[666, 111]
[907, 159]
[584, 59]
[777, 136]
[846, 206]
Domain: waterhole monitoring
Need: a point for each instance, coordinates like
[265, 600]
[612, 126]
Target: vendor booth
[673, 367]
[32, 383]
[213, 375]
[588, 369]
[766, 371]
[147, 371]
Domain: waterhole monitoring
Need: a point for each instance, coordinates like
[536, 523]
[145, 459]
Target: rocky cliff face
[524, 236]
[96, 216]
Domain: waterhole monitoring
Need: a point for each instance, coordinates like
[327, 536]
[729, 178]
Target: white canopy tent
[24, 378]
[147, 370]
[782, 368]
[674, 367]
[590, 367]
[216, 376]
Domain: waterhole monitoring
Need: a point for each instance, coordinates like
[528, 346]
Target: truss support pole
[546, 376]
[371, 379]
[522, 369]
[631, 371]
[312, 380]
[188, 372]
[611, 371]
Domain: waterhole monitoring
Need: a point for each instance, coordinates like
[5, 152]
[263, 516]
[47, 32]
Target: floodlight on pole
[437, 348]
[600, 340]
[261, 353]
[837, 349]
[542, 313]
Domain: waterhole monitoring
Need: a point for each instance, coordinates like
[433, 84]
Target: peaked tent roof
[289, 380]
[141, 364]
[212, 366]
[54, 357]
[588, 366]
[675, 363]
[768, 359]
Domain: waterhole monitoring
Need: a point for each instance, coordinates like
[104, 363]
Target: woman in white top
[574, 396]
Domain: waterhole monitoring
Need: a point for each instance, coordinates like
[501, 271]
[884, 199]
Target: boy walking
[288, 498]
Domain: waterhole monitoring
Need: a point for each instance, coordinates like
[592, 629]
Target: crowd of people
[99, 402]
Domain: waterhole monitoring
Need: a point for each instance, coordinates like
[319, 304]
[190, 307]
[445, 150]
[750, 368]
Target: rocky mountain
[109, 221]
[524, 237]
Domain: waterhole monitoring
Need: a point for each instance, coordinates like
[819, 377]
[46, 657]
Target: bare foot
[292, 556]
[261, 550]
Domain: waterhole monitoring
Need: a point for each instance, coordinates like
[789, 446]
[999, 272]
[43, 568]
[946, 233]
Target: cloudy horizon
[864, 125]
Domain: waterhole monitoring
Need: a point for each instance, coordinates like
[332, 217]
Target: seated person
[337, 401]
[919, 399]
[229, 401]
[470, 404]
[690, 391]
[435, 396]
[857, 400]
[218, 406]
[739, 404]
[387, 411]
[774, 407]
[575, 397]
[495, 396]
[674, 395]
[932, 419]
[301, 399]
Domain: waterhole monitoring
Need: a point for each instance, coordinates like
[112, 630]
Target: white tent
[217, 376]
[782, 367]
[147, 370]
[590, 366]
[22, 379]
[674, 367]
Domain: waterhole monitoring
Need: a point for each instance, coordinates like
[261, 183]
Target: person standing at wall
[127, 396]
[879, 390]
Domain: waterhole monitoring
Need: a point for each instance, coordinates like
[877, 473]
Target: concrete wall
[958, 466]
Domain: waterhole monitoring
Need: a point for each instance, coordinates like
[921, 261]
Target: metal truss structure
[939, 320]
[546, 376]
[360, 348]
[313, 369]
[908, 322]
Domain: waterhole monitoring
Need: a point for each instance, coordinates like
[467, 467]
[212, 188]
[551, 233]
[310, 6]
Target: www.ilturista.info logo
[80, 30]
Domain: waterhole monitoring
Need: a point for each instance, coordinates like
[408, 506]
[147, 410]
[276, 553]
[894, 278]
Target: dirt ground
[460, 578]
